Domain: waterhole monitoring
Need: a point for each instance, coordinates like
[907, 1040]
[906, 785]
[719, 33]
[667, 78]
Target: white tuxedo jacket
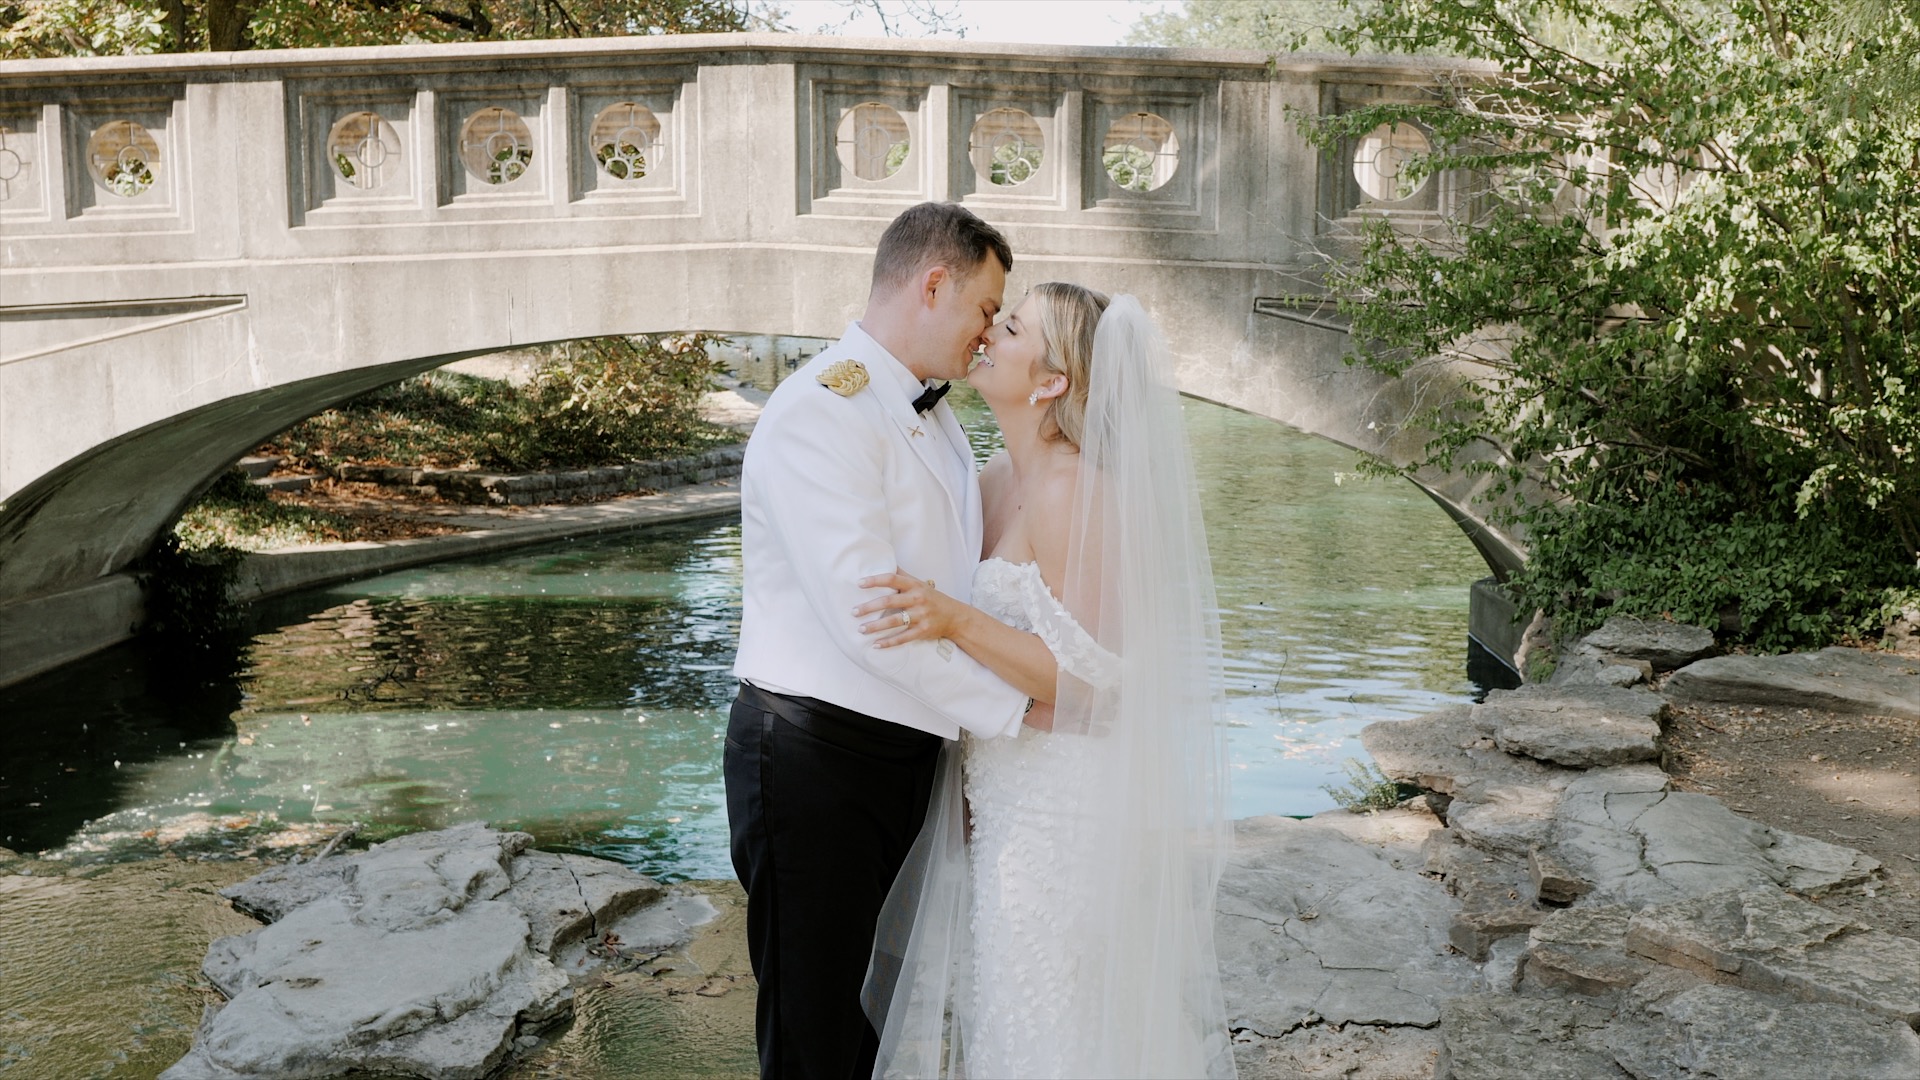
[835, 489]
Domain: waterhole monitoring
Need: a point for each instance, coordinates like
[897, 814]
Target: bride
[1055, 917]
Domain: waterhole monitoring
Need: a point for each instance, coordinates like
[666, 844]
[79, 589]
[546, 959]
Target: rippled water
[99, 972]
[579, 692]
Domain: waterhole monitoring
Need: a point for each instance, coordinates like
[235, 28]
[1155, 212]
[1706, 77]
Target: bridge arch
[198, 250]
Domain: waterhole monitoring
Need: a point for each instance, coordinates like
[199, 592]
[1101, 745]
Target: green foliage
[236, 514]
[1708, 557]
[188, 613]
[601, 401]
[1272, 25]
[81, 28]
[1684, 290]
[609, 400]
[1130, 167]
[1014, 163]
[1367, 788]
[31, 28]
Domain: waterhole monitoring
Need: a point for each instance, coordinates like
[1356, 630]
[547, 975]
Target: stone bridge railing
[198, 250]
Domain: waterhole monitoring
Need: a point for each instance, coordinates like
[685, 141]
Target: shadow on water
[1488, 672]
[74, 733]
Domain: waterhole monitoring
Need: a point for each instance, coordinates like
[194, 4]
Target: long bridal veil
[1153, 830]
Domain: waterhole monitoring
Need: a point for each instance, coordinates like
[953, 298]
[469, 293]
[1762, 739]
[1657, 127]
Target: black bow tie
[930, 397]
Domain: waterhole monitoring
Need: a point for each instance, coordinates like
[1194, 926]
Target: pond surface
[579, 691]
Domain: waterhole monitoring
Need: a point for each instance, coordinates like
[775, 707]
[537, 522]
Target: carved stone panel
[123, 161]
[497, 145]
[1012, 146]
[1369, 177]
[635, 143]
[1146, 151]
[359, 150]
[23, 165]
[873, 143]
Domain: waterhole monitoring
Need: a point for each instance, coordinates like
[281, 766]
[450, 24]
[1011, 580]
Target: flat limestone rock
[1452, 751]
[1770, 941]
[270, 895]
[666, 924]
[1836, 679]
[1315, 925]
[1584, 665]
[1664, 645]
[567, 898]
[321, 991]
[1404, 831]
[1474, 932]
[1725, 1031]
[1481, 879]
[1577, 726]
[1583, 950]
[1554, 881]
[1492, 1036]
[1507, 821]
[1641, 843]
[428, 956]
[1355, 1052]
[408, 863]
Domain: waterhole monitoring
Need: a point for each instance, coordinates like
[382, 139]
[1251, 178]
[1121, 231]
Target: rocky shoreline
[1554, 907]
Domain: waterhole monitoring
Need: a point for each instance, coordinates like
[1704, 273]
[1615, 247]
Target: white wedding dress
[1069, 932]
[1029, 798]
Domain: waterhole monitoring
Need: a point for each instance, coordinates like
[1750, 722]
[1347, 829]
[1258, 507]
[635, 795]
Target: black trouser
[822, 804]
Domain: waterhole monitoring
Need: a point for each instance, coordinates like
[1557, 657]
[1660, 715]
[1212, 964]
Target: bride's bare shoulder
[996, 474]
[1050, 518]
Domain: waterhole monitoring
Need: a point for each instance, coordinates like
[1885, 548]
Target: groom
[855, 468]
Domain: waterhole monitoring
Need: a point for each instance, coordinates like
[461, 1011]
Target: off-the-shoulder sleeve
[1075, 650]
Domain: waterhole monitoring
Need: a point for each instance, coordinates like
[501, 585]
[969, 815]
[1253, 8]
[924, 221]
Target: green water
[579, 692]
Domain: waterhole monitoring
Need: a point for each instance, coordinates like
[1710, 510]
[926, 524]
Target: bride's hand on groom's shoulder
[914, 611]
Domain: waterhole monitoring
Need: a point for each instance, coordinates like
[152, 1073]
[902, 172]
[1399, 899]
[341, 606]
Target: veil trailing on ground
[1141, 697]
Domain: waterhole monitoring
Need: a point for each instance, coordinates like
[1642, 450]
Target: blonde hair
[1068, 315]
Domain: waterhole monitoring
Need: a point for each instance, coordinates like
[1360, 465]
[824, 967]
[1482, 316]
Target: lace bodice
[1015, 594]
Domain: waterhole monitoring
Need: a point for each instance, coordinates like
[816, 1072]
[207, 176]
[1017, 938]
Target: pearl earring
[1033, 398]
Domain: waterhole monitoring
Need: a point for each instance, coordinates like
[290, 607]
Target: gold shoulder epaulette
[846, 378]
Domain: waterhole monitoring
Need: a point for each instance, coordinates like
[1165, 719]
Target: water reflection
[579, 691]
[1343, 601]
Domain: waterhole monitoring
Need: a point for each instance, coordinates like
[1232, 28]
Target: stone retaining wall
[529, 489]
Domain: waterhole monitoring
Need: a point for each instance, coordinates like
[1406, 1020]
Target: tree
[1686, 292]
[110, 27]
[1271, 25]
[1280, 26]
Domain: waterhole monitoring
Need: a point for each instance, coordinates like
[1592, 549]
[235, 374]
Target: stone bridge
[196, 251]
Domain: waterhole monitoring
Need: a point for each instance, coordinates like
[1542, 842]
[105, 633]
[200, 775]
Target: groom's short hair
[936, 234]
